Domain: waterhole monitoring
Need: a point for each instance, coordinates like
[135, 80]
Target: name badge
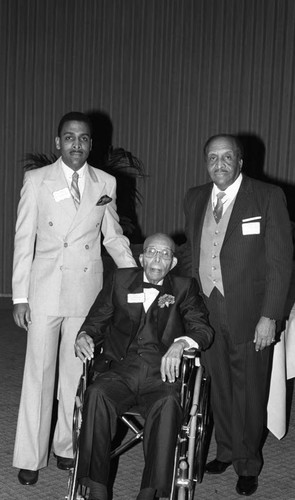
[135, 298]
[251, 228]
[62, 194]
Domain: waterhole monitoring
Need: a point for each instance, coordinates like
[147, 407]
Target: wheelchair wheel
[203, 430]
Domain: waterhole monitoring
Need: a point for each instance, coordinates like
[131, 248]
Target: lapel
[156, 315]
[56, 181]
[241, 202]
[163, 313]
[94, 185]
[135, 286]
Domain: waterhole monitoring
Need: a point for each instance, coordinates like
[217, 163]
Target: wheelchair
[193, 437]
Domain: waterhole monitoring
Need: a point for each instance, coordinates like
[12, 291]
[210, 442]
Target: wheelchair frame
[192, 441]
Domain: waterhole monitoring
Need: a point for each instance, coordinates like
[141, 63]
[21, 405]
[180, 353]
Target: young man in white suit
[57, 273]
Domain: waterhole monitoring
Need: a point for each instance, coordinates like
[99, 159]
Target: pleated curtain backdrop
[168, 73]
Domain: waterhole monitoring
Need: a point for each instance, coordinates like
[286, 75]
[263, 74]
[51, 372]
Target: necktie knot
[218, 209]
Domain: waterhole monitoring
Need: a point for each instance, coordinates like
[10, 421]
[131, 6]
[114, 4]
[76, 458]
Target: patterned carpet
[277, 479]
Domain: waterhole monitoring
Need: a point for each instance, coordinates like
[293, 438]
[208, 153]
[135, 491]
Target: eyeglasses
[152, 252]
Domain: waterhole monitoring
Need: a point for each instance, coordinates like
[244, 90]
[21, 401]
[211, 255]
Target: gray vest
[211, 243]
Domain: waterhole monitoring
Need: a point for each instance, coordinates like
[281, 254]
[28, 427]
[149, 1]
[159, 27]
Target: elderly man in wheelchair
[145, 319]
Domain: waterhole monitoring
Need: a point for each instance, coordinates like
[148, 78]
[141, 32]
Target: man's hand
[171, 361]
[84, 346]
[22, 315]
[265, 332]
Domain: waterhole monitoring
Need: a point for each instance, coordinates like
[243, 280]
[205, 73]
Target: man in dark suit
[145, 332]
[240, 250]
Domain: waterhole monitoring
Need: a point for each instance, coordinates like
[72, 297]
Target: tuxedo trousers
[50, 344]
[126, 384]
[240, 379]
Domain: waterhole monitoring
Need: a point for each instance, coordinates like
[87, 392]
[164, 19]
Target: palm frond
[38, 160]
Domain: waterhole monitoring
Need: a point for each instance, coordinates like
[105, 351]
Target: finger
[171, 371]
[163, 371]
[22, 321]
[86, 350]
[28, 316]
[16, 319]
[79, 354]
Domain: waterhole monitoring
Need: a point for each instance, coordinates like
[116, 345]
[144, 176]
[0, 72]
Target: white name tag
[62, 194]
[251, 228]
[135, 298]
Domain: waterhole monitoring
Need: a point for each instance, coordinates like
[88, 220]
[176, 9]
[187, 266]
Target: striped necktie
[218, 209]
[75, 189]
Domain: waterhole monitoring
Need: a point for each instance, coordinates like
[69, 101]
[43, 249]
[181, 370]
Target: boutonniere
[166, 300]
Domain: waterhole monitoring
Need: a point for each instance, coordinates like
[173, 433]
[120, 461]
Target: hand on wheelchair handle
[170, 363]
[84, 346]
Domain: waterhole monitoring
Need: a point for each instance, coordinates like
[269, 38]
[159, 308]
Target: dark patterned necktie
[75, 190]
[218, 209]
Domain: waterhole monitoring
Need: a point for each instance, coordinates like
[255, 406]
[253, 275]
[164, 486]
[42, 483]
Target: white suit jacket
[57, 257]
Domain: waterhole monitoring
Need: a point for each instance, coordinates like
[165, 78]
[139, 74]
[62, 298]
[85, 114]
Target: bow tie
[151, 285]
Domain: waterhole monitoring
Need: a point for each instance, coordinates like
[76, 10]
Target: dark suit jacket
[115, 321]
[256, 268]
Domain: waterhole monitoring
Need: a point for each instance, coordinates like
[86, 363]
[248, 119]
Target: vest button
[65, 245]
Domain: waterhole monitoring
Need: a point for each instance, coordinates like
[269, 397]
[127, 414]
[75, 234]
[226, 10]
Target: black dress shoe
[64, 463]
[247, 485]
[216, 466]
[26, 476]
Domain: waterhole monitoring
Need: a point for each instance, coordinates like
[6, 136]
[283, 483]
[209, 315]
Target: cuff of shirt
[20, 301]
[191, 342]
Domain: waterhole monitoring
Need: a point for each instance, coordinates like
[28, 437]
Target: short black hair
[76, 116]
[233, 138]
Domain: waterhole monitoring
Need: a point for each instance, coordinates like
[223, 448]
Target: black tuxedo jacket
[256, 268]
[114, 320]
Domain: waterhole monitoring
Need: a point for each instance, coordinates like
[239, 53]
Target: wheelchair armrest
[191, 353]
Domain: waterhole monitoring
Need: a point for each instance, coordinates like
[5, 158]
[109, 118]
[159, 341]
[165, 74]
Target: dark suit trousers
[239, 392]
[128, 383]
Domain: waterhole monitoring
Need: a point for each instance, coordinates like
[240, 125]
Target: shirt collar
[147, 281]
[69, 171]
[231, 191]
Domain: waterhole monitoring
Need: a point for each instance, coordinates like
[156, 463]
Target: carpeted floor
[277, 480]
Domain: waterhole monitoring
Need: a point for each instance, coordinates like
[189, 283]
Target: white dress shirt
[230, 193]
[68, 173]
[150, 295]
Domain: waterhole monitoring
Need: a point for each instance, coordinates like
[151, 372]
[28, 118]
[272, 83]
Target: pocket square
[104, 200]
